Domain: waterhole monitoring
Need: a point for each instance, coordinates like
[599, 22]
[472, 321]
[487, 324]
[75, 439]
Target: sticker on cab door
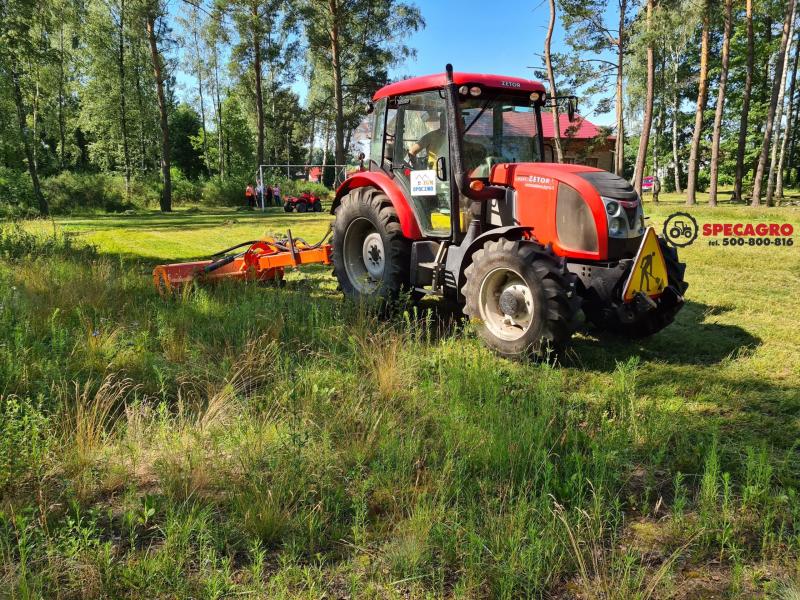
[423, 183]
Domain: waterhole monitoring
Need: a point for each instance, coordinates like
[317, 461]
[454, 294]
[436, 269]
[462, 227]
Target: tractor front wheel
[317, 206]
[371, 258]
[522, 297]
[287, 207]
[302, 207]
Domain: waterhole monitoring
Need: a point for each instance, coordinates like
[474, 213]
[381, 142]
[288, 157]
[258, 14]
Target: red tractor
[304, 203]
[456, 202]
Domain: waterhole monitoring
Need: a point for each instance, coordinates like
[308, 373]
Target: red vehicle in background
[304, 203]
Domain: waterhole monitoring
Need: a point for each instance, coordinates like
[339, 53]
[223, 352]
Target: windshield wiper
[478, 116]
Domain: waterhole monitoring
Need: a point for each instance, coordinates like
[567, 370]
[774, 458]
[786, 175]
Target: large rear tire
[522, 297]
[302, 207]
[371, 258]
[607, 318]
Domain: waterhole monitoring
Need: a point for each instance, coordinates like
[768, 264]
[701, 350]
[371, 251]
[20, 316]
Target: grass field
[283, 443]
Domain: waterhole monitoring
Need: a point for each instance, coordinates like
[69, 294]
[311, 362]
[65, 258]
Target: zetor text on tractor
[458, 202]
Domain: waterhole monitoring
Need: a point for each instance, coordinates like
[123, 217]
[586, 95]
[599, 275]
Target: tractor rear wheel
[522, 296]
[607, 318]
[371, 258]
[287, 207]
[302, 207]
[317, 206]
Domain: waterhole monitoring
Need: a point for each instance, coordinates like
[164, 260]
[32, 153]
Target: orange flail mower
[264, 260]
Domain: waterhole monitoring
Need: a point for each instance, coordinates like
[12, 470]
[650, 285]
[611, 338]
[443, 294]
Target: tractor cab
[456, 201]
[497, 120]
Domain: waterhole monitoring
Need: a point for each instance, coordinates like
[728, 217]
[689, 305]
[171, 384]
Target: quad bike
[304, 203]
[455, 202]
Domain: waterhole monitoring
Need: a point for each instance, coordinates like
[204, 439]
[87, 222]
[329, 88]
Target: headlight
[475, 91]
[616, 226]
[612, 207]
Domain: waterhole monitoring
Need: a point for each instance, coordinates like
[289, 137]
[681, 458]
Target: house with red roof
[582, 142]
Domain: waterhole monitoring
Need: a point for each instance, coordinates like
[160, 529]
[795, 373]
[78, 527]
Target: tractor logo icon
[680, 229]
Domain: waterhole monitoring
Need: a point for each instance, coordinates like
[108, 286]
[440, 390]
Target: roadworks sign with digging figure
[649, 272]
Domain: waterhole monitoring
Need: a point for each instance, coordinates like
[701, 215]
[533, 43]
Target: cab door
[416, 125]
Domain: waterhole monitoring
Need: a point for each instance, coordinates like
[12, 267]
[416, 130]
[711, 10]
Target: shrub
[184, 190]
[69, 192]
[224, 192]
[17, 243]
[16, 194]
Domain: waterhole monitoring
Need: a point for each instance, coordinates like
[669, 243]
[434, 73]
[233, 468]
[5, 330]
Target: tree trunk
[770, 122]
[259, 94]
[122, 108]
[22, 119]
[202, 103]
[723, 81]
[61, 77]
[166, 194]
[552, 81]
[311, 141]
[691, 184]
[659, 130]
[773, 165]
[337, 82]
[218, 106]
[644, 138]
[789, 125]
[619, 159]
[675, 112]
[748, 85]
[326, 144]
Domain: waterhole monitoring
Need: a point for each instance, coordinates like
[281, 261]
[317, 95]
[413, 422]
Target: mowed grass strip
[281, 442]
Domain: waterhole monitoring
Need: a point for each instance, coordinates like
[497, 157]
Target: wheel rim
[506, 304]
[364, 257]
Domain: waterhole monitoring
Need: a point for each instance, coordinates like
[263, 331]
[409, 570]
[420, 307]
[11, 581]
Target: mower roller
[264, 260]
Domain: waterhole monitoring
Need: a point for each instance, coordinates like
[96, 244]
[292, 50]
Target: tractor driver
[434, 142]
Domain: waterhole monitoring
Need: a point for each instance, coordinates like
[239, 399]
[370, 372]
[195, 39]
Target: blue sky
[502, 37]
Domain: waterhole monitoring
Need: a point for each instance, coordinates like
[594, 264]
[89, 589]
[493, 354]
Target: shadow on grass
[689, 340]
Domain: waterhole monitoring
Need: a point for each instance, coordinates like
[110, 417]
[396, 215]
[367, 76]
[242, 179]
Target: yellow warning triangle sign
[649, 272]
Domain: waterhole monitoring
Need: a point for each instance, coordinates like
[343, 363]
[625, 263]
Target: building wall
[579, 152]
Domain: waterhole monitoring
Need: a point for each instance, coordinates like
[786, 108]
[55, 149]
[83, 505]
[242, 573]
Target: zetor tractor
[457, 202]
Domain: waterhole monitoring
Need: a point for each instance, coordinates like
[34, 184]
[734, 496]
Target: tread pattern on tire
[562, 302]
[375, 205]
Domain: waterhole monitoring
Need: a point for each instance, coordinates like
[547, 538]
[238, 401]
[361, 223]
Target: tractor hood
[586, 213]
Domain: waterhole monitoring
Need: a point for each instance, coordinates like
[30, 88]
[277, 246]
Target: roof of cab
[438, 80]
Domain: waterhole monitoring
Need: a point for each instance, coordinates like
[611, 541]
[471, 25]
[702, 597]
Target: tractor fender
[458, 261]
[405, 213]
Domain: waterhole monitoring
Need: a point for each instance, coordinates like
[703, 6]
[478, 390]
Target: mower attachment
[264, 260]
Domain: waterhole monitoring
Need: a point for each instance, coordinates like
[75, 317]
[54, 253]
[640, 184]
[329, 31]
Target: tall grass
[280, 442]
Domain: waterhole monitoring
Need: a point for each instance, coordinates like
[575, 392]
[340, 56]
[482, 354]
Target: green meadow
[281, 442]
